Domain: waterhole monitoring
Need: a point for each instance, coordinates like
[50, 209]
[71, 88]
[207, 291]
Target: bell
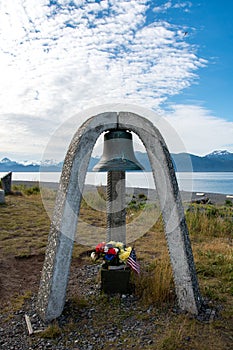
[118, 154]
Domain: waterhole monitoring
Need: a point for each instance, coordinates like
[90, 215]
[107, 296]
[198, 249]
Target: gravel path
[90, 320]
[83, 328]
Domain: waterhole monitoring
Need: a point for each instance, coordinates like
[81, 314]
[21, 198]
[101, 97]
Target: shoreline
[214, 198]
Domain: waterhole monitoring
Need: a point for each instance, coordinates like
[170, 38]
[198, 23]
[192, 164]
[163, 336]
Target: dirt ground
[18, 275]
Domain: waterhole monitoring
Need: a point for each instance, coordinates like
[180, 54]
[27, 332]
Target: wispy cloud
[200, 130]
[24, 135]
[185, 6]
[78, 51]
[60, 57]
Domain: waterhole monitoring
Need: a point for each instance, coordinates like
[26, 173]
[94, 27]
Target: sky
[59, 58]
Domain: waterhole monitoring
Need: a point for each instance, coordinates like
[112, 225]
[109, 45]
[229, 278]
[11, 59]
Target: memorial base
[115, 281]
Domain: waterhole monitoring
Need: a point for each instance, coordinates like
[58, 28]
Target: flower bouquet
[116, 256]
[115, 272]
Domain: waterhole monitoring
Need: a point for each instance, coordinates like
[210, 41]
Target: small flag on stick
[132, 261]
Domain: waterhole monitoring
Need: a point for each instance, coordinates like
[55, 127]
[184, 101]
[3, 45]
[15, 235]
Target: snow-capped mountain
[7, 165]
[5, 160]
[220, 154]
[29, 162]
[219, 161]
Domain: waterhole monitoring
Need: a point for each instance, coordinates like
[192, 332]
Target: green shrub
[27, 190]
[32, 190]
[142, 196]
[228, 203]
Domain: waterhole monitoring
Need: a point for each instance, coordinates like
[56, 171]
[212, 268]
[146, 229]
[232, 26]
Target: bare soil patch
[18, 275]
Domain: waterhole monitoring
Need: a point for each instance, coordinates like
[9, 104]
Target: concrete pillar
[55, 273]
[116, 212]
[2, 197]
[6, 183]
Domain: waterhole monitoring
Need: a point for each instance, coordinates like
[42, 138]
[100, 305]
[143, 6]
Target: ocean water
[216, 182]
[196, 182]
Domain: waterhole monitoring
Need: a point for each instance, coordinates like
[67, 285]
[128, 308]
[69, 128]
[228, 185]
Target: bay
[209, 182]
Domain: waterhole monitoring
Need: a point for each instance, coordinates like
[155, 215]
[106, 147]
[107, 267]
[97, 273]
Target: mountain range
[217, 161]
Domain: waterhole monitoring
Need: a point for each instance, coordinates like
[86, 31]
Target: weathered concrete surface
[6, 183]
[116, 212]
[55, 273]
[52, 292]
[2, 197]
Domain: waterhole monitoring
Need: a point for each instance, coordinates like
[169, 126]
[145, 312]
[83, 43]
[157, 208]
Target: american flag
[132, 261]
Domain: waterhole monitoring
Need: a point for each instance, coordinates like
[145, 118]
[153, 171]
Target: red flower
[111, 251]
[100, 247]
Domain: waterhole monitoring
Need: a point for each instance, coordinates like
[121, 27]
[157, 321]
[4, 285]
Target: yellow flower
[124, 253]
[119, 245]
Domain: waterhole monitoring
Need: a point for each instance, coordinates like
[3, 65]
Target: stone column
[116, 212]
[2, 197]
[55, 273]
[6, 183]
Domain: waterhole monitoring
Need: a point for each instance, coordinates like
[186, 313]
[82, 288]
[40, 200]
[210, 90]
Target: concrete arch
[54, 279]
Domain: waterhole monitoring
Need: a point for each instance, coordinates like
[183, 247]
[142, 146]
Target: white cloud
[57, 60]
[116, 46]
[24, 136]
[173, 5]
[200, 131]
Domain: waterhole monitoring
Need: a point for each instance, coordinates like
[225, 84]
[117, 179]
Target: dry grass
[155, 284]
[16, 303]
[51, 332]
[184, 333]
[24, 226]
[210, 221]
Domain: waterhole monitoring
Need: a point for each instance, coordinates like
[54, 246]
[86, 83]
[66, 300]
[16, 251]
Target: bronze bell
[118, 154]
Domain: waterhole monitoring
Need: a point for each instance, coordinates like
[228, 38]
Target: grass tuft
[53, 331]
[155, 284]
[28, 191]
[210, 221]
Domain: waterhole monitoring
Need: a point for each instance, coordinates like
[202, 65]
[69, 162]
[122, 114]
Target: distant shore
[214, 198]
